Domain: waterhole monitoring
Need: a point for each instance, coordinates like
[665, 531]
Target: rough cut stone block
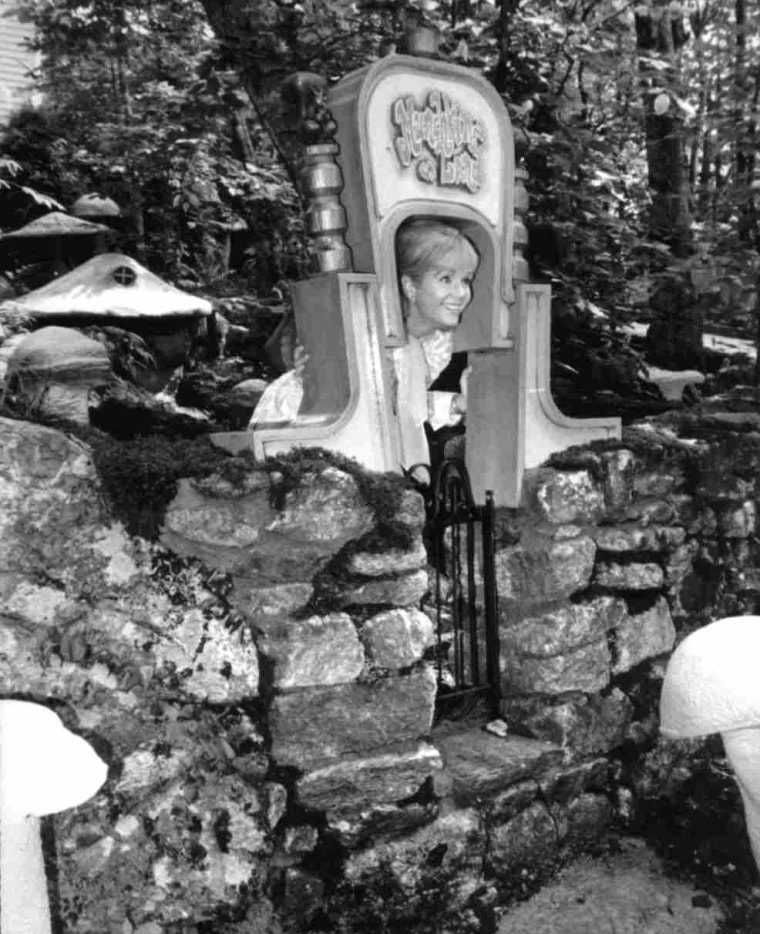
[623, 539]
[743, 556]
[721, 485]
[195, 516]
[34, 604]
[529, 839]
[114, 544]
[739, 522]
[733, 421]
[448, 851]
[704, 523]
[586, 668]
[217, 665]
[397, 638]
[411, 512]
[394, 561]
[354, 829]
[325, 506]
[658, 483]
[569, 496]
[660, 511]
[232, 858]
[240, 531]
[276, 600]
[566, 784]
[481, 764]
[642, 636]
[25, 669]
[618, 481]
[406, 590]
[319, 650]
[51, 515]
[557, 570]
[633, 576]
[587, 725]
[359, 784]
[300, 840]
[679, 563]
[309, 727]
[583, 821]
[562, 629]
[143, 769]
[226, 668]
[507, 804]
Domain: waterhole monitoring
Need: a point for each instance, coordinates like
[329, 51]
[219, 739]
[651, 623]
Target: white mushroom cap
[55, 224]
[44, 768]
[94, 205]
[110, 285]
[711, 682]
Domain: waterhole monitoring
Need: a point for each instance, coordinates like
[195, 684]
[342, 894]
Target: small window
[124, 275]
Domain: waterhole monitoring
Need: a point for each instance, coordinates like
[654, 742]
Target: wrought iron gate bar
[452, 514]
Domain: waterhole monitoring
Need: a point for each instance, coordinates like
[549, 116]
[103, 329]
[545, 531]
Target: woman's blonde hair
[423, 241]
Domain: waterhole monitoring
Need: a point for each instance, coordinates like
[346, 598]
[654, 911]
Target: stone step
[478, 764]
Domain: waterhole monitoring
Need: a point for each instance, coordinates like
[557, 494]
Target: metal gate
[467, 649]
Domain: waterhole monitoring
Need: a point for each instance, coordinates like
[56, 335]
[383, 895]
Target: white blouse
[414, 367]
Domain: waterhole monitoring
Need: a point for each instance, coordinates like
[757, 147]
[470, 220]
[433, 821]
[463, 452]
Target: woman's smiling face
[438, 297]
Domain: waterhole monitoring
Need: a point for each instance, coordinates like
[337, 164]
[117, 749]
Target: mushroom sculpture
[59, 237]
[711, 686]
[44, 769]
[113, 289]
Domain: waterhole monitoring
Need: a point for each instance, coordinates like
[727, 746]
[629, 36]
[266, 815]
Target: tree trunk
[500, 78]
[675, 336]
[238, 24]
[745, 117]
[660, 32]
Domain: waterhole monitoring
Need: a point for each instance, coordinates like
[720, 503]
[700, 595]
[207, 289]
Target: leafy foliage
[140, 476]
[11, 173]
[175, 110]
[137, 108]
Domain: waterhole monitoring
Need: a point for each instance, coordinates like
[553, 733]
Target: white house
[16, 62]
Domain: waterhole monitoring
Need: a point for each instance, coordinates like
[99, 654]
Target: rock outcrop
[261, 681]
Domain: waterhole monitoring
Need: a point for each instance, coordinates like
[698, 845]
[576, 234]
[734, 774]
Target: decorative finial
[303, 94]
[321, 180]
[422, 40]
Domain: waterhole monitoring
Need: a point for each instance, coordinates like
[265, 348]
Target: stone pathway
[627, 893]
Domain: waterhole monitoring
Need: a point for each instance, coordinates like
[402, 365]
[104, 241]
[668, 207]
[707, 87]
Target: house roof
[16, 62]
[112, 285]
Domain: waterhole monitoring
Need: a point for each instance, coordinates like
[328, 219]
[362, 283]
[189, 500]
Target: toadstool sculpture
[56, 236]
[711, 686]
[111, 285]
[94, 205]
[113, 289]
[44, 769]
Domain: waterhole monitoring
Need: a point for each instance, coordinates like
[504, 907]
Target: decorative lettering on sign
[442, 142]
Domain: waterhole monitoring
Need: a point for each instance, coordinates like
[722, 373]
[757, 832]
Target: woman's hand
[459, 403]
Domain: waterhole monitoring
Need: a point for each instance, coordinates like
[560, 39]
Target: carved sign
[440, 140]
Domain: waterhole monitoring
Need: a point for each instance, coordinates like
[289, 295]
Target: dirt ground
[627, 892]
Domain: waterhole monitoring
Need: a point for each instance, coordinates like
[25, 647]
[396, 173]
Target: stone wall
[258, 680]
